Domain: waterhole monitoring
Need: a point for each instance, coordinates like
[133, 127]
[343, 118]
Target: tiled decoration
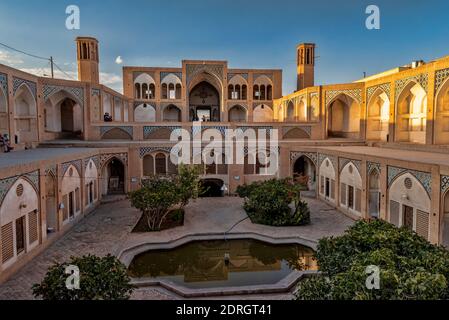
[370, 166]
[104, 158]
[147, 130]
[440, 78]
[385, 87]
[356, 94]
[344, 161]
[17, 82]
[232, 75]
[196, 129]
[4, 83]
[77, 92]
[5, 184]
[295, 155]
[127, 129]
[422, 79]
[322, 157]
[51, 170]
[424, 177]
[194, 69]
[444, 184]
[147, 150]
[95, 159]
[75, 163]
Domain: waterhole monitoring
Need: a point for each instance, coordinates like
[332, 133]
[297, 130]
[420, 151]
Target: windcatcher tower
[87, 57]
[305, 53]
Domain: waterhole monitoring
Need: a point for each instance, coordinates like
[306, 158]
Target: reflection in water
[205, 264]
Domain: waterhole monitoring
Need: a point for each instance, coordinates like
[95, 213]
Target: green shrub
[410, 267]
[100, 279]
[160, 194]
[275, 202]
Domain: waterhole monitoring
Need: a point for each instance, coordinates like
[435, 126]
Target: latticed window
[33, 227]
[333, 189]
[7, 242]
[358, 200]
[343, 193]
[65, 211]
[394, 212]
[77, 199]
[422, 224]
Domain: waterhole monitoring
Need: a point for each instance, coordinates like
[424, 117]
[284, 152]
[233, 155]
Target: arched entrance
[304, 171]
[51, 203]
[344, 118]
[113, 177]
[25, 115]
[204, 101]
[172, 113]
[409, 204]
[374, 194]
[378, 116]
[63, 115]
[237, 114]
[441, 130]
[446, 220]
[213, 187]
[411, 114]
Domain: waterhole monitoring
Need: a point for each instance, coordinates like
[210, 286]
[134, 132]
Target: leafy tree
[188, 183]
[155, 199]
[100, 279]
[270, 202]
[410, 267]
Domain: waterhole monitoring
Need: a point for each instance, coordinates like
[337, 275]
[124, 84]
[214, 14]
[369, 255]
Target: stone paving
[107, 230]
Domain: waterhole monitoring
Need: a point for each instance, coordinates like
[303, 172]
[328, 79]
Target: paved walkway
[107, 230]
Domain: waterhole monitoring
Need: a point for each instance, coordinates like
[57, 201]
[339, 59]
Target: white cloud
[7, 57]
[119, 60]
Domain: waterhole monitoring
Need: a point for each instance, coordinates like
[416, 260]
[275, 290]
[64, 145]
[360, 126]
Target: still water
[212, 264]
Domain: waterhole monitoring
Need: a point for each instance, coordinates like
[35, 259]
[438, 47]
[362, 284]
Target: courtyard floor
[107, 230]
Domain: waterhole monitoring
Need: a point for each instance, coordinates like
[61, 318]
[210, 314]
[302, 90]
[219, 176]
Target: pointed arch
[113, 177]
[409, 204]
[351, 189]
[237, 113]
[145, 113]
[116, 133]
[263, 113]
[441, 114]
[327, 180]
[344, 117]
[378, 116]
[411, 114]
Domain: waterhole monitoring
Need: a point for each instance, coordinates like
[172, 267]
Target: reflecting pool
[220, 263]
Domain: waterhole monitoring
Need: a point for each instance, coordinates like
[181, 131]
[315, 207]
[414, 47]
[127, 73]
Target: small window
[408, 183]
[19, 190]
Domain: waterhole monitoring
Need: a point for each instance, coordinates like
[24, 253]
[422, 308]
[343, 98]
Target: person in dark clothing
[5, 143]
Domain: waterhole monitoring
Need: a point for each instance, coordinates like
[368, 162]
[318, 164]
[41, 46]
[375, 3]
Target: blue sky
[247, 33]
